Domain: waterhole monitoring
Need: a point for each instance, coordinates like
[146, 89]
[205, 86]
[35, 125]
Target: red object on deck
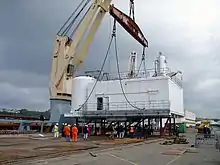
[129, 25]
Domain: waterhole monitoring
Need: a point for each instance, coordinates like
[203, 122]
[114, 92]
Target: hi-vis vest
[132, 129]
[56, 128]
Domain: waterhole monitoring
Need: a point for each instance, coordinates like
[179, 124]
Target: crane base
[57, 108]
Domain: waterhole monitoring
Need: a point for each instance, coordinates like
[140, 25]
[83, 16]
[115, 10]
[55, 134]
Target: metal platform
[126, 113]
[123, 109]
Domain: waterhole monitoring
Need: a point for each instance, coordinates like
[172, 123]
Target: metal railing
[141, 74]
[126, 74]
[125, 106]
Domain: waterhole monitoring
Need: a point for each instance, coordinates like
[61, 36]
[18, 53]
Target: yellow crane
[71, 50]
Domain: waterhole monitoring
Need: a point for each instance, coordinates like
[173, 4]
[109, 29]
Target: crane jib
[129, 25]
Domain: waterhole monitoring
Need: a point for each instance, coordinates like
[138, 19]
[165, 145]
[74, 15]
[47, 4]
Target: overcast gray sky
[186, 31]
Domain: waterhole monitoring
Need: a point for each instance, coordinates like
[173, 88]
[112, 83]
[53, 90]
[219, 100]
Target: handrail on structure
[124, 106]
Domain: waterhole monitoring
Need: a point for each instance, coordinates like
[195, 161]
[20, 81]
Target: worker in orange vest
[131, 131]
[74, 133]
[67, 132]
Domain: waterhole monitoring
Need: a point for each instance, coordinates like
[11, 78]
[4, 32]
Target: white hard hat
[57, 124]
[65, 123]
[69, 125]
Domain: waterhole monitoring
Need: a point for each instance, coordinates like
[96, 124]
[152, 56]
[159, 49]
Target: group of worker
[71, 132]
[138, 131]
[67, 131]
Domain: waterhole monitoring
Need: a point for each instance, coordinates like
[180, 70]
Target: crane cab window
[99, 103]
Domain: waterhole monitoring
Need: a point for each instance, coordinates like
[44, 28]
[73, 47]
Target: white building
[189, 118]
[156, 92]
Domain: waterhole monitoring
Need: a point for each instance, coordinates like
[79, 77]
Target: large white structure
[148, 93]
[154, 94]
[189, 118]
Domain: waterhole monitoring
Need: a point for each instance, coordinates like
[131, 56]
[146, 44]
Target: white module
[149, 93]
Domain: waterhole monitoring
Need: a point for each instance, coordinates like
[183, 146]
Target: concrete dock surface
[149, 152]
[144, 153]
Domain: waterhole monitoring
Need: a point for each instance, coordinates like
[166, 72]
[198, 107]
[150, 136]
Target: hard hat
[57, 124]
[69, 125]
[65, 123]
[74, 124]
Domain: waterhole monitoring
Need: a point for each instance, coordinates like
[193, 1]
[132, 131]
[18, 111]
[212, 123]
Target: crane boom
[68, 54]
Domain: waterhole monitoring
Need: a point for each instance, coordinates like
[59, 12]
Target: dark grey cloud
[186, 31]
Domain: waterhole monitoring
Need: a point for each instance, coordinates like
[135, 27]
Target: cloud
[186, 31]
[23, 90]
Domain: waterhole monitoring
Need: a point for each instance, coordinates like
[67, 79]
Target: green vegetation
[25, 112]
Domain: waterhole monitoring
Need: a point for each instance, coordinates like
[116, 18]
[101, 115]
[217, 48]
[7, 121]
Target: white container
[79, 94]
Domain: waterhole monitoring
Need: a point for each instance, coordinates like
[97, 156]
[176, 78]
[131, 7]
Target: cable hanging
[118, 69]
[131, 12]
[113, 36]
[100, 73]
[144, 63]
[73, 32]
[70, 16]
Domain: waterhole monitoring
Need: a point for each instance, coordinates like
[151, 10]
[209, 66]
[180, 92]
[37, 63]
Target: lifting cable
[131, 12]
[144, 63]
[70, 17]
[113, 36]
[132, 16]
[118, 69]
[77, 26]
[100, 73]
[66, 30]
[74, 20]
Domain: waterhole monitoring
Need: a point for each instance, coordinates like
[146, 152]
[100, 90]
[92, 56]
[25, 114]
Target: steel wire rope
[139, 67]
[118, 69]
[71, 35]
[144, 63]
[70, 16]
[66, 30]
[100, 73]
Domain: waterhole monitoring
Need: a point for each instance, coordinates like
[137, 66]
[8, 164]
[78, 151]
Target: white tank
[162, 64]
[79, 94]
